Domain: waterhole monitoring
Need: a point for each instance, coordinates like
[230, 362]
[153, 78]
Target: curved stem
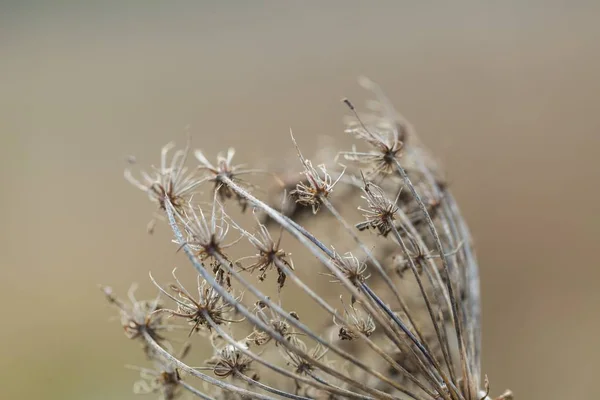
[422, 344]
[362, 336]
[194, 391]
[430, 310]
[268, 388]
[456, 315]
[434, 279]
[459, 229]
[257, 322]
[278, 369]
[306, 330]
[189, 370]
[305, 237]
[412, 337]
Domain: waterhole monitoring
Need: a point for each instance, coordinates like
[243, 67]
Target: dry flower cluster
[400, 294]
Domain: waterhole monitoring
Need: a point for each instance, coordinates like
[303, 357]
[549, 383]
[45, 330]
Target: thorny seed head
[139, 316]
[359, 322]
[319, 187]
[380, 211]
[386, 136]
[163, 380]
[271, 318]
[301, 364]
[418, 255]
[229, 360]
[223, 168]
[170, 180]
[382, 159]
[206, 235]
[270, 254]
[350, 266]
[415, 214]
[208, 304]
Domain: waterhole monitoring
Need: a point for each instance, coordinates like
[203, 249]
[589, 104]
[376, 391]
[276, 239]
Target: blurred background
[506, 95]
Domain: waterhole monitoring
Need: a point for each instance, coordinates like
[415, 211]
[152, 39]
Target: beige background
[506, 94]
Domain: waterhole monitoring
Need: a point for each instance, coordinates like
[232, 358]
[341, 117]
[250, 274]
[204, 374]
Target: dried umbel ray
[398, 294]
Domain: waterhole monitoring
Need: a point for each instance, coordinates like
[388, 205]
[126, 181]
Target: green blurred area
[505, 93]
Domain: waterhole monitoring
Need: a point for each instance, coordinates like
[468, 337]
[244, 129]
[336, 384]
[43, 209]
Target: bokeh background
[505, 93]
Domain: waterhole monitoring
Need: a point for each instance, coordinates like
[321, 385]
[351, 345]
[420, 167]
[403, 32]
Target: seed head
[300, 364]
[209, 304]
[163, 379]
[206, 235]
[385, 134]
[397, 338]
[380, 211]
[223, 168]
[350, 266]
[270, 254]
[229, 360]
[171, 180]
[272, 319]
[359, 322]
[139, 317]
[319, 187]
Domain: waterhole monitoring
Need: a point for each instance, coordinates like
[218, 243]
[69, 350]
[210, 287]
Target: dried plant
[411, 329]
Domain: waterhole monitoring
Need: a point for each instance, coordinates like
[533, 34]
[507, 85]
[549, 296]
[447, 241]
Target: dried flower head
[386, 145]
[385, 134]
[139, 317]
[353, 269]
[380, 212]
[170, 181]
[359, 322]
[273, 319]
[209, 304]
[415, 337]
[319, 184]
[163, 379]
[270, 254]
[229, 360]
[304, 365]
[206, 236]
[164, 382]
[223, 168]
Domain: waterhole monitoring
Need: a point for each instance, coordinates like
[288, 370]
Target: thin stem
[437, 283]
[362, 336]
[278, 369]
[268, 388]
[257, 322]
[430, 310]
[332, 312]
[453, 299]
[411, 336]
[207, 378]
[302, 235]
[473, 305]
[471, 278]
[194, 391]
[389, 283]
[297, 324]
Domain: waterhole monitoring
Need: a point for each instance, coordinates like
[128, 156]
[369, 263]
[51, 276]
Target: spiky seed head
[380, 211]
[229, 360]
[170, 181]
[319, 183]
[224, 167]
